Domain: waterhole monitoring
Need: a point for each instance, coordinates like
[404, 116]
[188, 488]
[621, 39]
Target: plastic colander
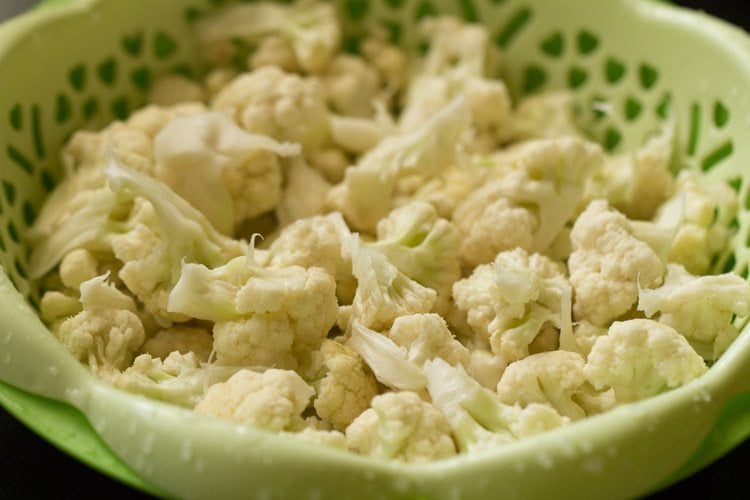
[82, 63]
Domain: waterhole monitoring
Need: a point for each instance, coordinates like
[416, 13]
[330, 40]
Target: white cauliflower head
[272, 400]
[700, 308]
[403, 427]
[640, 358]
[607, 264]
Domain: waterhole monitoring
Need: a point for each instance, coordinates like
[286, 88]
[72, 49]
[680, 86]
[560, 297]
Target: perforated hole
[513, 27]
[554, 45]
[107, 71]
[587, 42]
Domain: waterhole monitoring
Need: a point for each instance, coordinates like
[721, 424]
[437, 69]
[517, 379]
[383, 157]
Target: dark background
[30, 467]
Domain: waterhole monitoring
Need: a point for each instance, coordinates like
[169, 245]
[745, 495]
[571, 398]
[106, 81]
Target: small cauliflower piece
[184, 339]
[57, 306]
[700, 308]
[555, 378]
[528, 196]
[317, 242]
[486, 368]
[640, 358]
[707, 209]
[477, 417]
[77, 266]
[422, 246]
[637, 183]
[171, 231]
[179, 378]
[509, 302]
[318, 437]
[400, 426]
[303, 195]
[383, 292]
[608, 263]
[543, 116]
[311, 29]
[107, 333]
[272, 400]
[426, 336]
[351, 85]
[343, 384]
[367, 192]
[169, 90]
[263, 316]
[281, 105]
[225, 172]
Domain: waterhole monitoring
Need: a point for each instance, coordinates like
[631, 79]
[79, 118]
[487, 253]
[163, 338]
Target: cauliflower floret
[422, 246]
[554, 378]
[608, 263]
[529, 196]
[383, 292]
[640, 358]
[184, 339]
[77, 266]
[457, 61]
[318, 437]
[351, 85]
[707, 210]
[637, 183]
[397, 358]
[169, 90]
[107, 332]
[367, 192]
[401, 426]
[543, 116]
[284, 106]
[509, 301]
[272, 400]
[343, 383]
[390, 61]
[426, 336]
[263, 316]
[317, 242]
[311, 29]
[167, 231]
[225, 172]
[700, 308]
[57, 306]
[179, 378]
[486, 368]
[304, 194]
[478, 419]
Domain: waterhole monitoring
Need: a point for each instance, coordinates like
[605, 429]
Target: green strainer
[82, 63]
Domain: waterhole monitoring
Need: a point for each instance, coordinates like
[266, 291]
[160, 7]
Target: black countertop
[30, 467]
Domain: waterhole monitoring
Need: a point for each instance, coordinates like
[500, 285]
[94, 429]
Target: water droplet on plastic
[200, 467]
[132, 428]
[148, 444]
[545, 460]
[594, 465]
[53, 371]
[74, 396]
[7, 357]
[7, 338]
[186, 450]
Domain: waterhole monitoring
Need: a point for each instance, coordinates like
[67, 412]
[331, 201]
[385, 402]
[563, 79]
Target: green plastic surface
[82, 63]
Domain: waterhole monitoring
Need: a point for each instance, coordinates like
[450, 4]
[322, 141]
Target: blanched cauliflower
[401, 426]
[707, 210]
[700, 308]
[640, 358]
[272, 400]
[183, 339]
[107, 333]
[281, 105]
[527, 199]
[608, 263]
[555, 378]
[343, 384]
[509, 301]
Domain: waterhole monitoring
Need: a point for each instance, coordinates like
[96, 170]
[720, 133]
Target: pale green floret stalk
[153, 250]
[478, 419]
[367, 192]
[383, 292]
[388, 361]
[180, 379]
[422, 246]
[700, 308]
